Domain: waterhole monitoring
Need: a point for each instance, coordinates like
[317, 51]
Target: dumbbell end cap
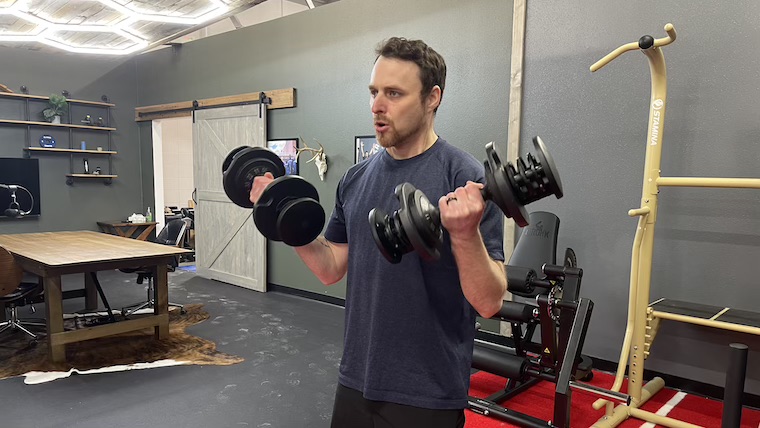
[304, 218]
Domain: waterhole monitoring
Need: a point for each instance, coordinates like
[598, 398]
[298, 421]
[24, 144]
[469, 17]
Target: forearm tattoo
[322, 240]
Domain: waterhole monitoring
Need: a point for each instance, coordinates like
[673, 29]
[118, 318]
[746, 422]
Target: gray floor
[291, 345]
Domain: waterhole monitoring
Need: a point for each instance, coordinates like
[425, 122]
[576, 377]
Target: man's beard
[393, 138]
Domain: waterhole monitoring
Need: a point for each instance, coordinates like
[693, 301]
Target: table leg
[54, 312]
[90, 293]
[146, 232]
[161, 288]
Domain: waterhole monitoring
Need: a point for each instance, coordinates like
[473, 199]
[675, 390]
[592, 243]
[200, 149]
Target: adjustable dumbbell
[416, 225]
[288, 209]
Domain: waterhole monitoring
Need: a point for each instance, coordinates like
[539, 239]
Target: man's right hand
[260, 183]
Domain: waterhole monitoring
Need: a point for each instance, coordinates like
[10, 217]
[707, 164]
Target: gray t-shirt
[409, 330]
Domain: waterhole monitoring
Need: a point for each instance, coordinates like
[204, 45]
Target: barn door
[228, 247]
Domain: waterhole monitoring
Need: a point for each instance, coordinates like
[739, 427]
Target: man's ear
[434, 98]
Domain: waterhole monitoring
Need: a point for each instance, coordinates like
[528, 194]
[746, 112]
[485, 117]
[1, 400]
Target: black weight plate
[274, 198]
[427, 221]
[548, 167]
[234, 189]
[300, 221]
[500, 188]
[230, 156]
[245, 165]
[379, 224]
[406, 195]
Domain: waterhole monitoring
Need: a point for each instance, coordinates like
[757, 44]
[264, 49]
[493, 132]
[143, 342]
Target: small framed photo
[287, 150]
[366, 147]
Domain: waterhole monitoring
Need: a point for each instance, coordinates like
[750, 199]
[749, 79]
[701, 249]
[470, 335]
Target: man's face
[399, 113]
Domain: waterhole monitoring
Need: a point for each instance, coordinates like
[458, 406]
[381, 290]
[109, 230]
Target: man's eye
[394, 93]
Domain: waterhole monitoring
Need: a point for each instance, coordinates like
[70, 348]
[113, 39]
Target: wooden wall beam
[519, 14]
[281, 98]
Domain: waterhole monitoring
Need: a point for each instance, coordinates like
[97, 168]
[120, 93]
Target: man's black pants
[352, 410]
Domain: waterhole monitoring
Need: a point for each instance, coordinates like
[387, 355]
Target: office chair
[172, 234]
[15, 293]
[189, 215]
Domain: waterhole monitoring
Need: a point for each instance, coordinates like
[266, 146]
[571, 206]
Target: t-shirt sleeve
[336, 226]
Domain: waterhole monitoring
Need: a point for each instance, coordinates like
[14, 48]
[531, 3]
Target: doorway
[172, 167]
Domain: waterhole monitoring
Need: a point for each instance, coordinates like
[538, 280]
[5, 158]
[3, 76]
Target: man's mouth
[381, 126]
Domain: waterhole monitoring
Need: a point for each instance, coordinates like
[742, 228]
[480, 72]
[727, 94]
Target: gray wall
[327, 55]
[80, 206]
[707, 241]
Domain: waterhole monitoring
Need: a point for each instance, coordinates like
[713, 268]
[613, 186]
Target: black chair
[189, 215]
[14, 294]
[172, 234]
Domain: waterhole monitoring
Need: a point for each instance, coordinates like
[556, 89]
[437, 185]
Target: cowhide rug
[128, 351]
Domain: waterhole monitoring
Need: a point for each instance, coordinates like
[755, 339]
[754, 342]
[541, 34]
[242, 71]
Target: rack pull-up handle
[645, 42]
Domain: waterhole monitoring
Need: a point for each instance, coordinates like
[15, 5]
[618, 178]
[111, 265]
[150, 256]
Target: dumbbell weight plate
[242, 165]
[275, 200]
[388, 240]
[300, 221]
[230, 156]
[422, 228]
[500, 190]
[554, 184]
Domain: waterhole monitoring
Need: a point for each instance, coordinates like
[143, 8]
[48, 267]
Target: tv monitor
[20, 172]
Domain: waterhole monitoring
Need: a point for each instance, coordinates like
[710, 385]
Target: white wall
[177, 150]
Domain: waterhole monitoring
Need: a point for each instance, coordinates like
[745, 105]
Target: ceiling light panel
[115, 26]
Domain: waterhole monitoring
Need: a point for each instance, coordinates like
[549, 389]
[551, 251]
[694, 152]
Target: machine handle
[645, 42]
[636, 212]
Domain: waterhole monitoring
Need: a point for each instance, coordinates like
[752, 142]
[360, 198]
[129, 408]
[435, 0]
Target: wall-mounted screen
[287, 150]
[365, 147]
[20, 172]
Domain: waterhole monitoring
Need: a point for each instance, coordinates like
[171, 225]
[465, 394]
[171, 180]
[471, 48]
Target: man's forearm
[320, 257]
[483, 280]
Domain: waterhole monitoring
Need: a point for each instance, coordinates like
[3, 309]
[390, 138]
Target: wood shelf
[39, 97]
[54, 125]
[107, 178]
[33, 127]
[51, 149]
[91, 176]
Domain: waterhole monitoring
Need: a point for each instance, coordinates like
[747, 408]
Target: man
[409, 327]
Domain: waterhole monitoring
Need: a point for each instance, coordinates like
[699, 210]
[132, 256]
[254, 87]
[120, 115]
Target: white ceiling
[118, 27]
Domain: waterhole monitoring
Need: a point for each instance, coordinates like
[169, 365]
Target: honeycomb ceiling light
[47, 32]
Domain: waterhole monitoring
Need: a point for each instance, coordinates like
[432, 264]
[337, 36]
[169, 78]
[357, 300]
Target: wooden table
[52, 254]
[139, 231]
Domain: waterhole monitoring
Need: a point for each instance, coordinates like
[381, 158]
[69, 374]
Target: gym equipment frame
[644, 317]
[557, 358]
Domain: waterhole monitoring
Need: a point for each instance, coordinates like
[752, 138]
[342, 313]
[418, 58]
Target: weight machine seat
[538, 243]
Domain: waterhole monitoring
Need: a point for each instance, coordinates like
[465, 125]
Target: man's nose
[377, 104]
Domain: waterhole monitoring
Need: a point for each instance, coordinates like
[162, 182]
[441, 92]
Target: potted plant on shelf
[56, 109]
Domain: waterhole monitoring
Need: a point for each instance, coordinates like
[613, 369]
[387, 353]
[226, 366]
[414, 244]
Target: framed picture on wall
[287, 150]
[366, 147]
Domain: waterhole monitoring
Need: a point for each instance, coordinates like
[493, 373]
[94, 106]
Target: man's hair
[431, 63]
